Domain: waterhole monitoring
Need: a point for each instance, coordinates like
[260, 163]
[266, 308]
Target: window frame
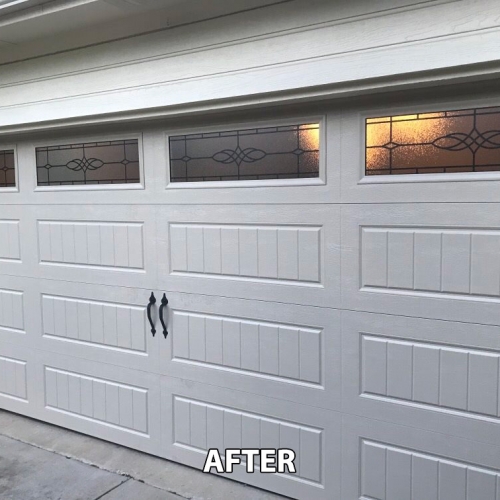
[83, 139]
[420, 107]
[11, 189]
[252, 183]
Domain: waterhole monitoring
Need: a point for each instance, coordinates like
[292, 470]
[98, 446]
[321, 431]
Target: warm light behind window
[437, 142]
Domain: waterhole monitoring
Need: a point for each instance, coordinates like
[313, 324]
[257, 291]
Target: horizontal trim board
[458, 58]
[151, 46]
[20, 121]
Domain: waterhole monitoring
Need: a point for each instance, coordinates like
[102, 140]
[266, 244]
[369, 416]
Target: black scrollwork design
[473, 141]
[7, 168]
[239, 156]
[409, 158]
[84, 164]
[290, 151]
[118, 167]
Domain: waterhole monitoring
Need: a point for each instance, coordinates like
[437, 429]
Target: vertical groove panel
[453, 379]
[483, 383]
[427, 273]
[268, 252]
[288, 262]
[212, 250]
[456, 263]
[269, 349]
[400, 257]
[309, 255]
[249, 257]
[485, 264]
[374, 362]
[374, 261]
[426, 374]
[399, 370]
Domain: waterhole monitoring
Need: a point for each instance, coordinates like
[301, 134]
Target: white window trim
[91, 187]
[315, 181]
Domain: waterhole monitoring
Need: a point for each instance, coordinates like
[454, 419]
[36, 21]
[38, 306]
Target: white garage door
[420, 297]
[312, 305]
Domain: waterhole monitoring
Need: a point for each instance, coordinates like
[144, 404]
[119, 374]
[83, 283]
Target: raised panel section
[202, 426]
[290, 353]
[10, 243]
[101, 323]
[393, 473]
[115, 245]
[283, 253]
[119, 405]
[11, 310]
[13, 378]
[436, 375]
[432, 260]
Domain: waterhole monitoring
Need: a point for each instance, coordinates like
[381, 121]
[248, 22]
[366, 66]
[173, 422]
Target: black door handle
[164, 303]
[152, 301]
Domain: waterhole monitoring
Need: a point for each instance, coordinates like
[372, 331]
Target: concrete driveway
[39, 461]
[30, 473]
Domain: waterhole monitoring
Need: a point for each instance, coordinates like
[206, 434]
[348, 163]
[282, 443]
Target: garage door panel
[97, 399]
[101, 323]
[10, 236]
[12, 310]
[247, 252]
[285, 254]
[436, 375]
[93, 244]
[18, 311]
[268, 288]
[13, 253]
[384, 461]
[288, 352]
[434, 260]
[453, 178]
[14, 374]
[206, 416]
[17, 379]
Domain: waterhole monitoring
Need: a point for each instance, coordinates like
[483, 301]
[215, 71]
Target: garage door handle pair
[164, 303]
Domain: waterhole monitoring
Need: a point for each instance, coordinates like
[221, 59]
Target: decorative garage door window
[110, 162]
[7, 169]
[427, 143]
[286, 152]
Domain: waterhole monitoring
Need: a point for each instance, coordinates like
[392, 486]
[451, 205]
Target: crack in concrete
[87, 462]
[112, 489]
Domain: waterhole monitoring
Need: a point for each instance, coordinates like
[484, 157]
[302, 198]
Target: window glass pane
[7, 168]
[449, 141]
[112, 162]
[286, 152]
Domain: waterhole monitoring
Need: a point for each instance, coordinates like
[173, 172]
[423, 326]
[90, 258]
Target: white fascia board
[453, 58]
